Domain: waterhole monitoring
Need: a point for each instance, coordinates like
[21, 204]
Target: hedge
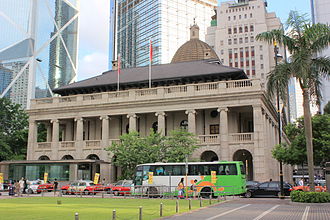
[310, 197]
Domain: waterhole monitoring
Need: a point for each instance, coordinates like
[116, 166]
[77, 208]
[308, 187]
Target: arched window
[246, 29]
[229, 30]
[184, 125]
[67, 157]
[93, 157]
[240, 30]
[251, 28]
[235, 30]
[43, 157]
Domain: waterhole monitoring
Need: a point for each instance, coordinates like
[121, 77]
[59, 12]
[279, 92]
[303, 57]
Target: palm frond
[278, 80]
[279, 36]
[296, 22]
[319, 37]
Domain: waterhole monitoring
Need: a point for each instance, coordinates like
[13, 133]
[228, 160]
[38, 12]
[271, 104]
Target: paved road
[260, 208]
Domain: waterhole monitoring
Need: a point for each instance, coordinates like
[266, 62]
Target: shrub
[310, 197]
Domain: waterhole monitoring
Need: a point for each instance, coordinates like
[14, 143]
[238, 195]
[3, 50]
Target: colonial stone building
[229, 113]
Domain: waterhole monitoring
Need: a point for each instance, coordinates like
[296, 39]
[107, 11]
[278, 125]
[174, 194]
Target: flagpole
[150, 61]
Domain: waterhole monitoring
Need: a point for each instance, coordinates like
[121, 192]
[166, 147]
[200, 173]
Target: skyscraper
[321, 14]
[165, 23]
[39, 44]
[233, 36]
[5, 78]
[63, 50]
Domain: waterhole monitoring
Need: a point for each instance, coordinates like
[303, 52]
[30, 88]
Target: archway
[93, 157]
[67, 157]
[246, 157]
[209, 156]
[43, 157]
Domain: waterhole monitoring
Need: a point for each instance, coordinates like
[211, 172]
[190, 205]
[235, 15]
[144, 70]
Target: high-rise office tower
[5, 78]
[164, 22]
[63, 50]
[233, 33]
[39, 45]
[321, 14]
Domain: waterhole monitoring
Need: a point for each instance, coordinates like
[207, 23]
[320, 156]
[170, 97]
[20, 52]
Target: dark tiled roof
[184, 71]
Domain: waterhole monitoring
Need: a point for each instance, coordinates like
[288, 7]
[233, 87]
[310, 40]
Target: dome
[194, 49]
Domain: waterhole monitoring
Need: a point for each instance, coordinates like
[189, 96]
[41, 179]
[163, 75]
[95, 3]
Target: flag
[118, 71]
[150, 51]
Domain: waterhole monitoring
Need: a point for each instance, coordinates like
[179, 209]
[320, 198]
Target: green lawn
[88, 208]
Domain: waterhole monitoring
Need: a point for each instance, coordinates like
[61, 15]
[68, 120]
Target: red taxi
[87, 187]
[122, 187]
[46, 187]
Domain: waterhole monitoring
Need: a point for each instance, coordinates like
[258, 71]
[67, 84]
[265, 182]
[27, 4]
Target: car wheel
[65, 192]
[206, 192]
[30, 191]
[86, 192]
[248, 194]
[116, 193]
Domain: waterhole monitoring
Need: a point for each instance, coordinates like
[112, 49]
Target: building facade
[232, 35]
[321, 14]
[5, 78]
[163, 22]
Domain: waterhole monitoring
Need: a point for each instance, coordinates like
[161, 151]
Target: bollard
[76, 216]
[140, 213]
[114, 214]
[177, 206]
[102, 195]
[189, 204]
[210, 199]
[200, 202]
[42, 193]
[161, 210]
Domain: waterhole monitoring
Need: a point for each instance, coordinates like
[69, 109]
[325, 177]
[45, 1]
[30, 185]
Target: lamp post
[277, 55]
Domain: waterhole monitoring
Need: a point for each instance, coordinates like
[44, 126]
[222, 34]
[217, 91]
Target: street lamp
[278, 57]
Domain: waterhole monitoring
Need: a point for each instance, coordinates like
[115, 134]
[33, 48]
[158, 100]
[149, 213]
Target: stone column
[79, 137]
[161, 122]
[132, 122]
[224, 145]
[105, 130]
[259, 166]
[55, 138]
[73, 172]
[49, 132]
[32, 139]
[191, 120]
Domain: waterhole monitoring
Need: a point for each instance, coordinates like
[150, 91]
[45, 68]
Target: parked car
[122, 187]
[65, 189]
[33, 186]
[320, 186]
[251, 183]
[267, 189]
[85, 186]
[45, 187]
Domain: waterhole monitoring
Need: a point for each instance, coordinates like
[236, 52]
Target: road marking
[266, 212]
[305, 215]
[225, 213]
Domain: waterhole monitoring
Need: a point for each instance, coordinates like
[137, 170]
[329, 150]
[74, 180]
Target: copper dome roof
[194, 49]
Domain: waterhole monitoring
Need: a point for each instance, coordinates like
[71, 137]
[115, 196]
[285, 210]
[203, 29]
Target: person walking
[21, 185]
[55, 186]
[25, 186]
[194, 188]
[17, 188]
[181, 189]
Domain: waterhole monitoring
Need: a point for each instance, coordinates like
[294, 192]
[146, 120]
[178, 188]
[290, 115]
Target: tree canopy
[295, 153]
[133, 149]
[327, 108]
[13, 130]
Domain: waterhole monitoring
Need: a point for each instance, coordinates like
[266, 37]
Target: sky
[94, 31]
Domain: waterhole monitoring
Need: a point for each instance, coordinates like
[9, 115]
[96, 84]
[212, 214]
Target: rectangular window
[214, 129]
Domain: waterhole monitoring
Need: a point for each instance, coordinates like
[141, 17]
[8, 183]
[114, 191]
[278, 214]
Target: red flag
[118, 69]
[150, 51]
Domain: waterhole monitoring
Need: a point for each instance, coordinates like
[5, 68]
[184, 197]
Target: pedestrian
[181, 189]
[194, 188]
[103, 181]
[25, 186]
[301, 182]
[21, 185]
[55, 186]
[17, 188]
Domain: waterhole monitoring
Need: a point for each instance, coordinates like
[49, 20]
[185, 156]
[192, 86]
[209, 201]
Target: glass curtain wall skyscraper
[165, 22]
[39, 45]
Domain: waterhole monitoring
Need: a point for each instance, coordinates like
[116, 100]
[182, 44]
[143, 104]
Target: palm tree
[304, 41]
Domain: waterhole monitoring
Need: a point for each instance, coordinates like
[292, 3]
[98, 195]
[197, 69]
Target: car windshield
[119, 183]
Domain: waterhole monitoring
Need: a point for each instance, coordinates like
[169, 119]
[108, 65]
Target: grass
[46, 208]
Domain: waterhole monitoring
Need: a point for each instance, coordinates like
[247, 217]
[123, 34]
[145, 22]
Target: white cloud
[93, 37]
[92, 64]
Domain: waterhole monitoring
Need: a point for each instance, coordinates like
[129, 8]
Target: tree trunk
[309, 138]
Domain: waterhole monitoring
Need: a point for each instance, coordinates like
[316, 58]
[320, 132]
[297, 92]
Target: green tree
[295, 153]
[13, 130]
[133, 149]
[327, 108]
[304, 41]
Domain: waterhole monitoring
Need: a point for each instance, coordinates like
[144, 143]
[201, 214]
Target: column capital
[256, 106]
[132, 115]
[79, 119]
[190, 111]
[32, 121]
[104, 117]
[160, 114]
[222, 109]
[54, 121]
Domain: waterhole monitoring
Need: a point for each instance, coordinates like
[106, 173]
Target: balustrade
[241, 137]
[209, 139]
